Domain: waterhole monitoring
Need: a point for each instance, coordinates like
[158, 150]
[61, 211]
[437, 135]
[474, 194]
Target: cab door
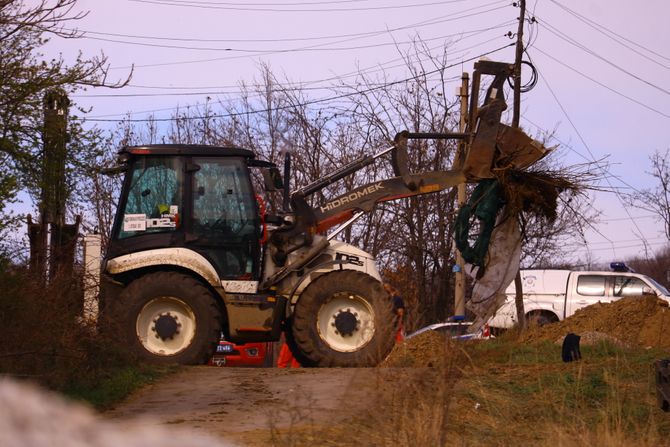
[589, 289]
[624, 285]
[224, 225]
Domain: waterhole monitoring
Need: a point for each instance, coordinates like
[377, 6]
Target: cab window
[223, 203]
[225, 218]
[154, 197]
[591, 285]
[629, 286]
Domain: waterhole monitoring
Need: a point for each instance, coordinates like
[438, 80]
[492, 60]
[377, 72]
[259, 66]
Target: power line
[614, 248]
[618, 241]
[372, 69]
[617, 219]
[609, 33]
[574, 127]
[290, 87]
[303, 85]
[237, 7]
[275, 90]
[319, 47]
[588, 249]
[430, 22]
[564, 144]
[587, 50]
[623, 95]
[312, 102]
[447, 17]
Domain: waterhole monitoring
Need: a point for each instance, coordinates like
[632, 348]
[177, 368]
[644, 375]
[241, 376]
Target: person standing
[286, 358]
[398, 311]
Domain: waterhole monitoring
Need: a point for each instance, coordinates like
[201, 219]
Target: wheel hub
[346, 323]
[166, 326]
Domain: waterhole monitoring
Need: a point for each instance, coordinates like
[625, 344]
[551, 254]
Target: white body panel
[189, 259]
[358, 260]
[563, 292]
[182, 257]
[368, 265]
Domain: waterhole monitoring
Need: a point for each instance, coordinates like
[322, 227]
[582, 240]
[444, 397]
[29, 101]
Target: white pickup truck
[553, 295]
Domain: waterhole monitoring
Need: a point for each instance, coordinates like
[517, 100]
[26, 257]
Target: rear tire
[169, 317]
[343, 318]
[540, 318]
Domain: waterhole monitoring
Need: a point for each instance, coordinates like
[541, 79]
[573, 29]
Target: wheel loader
[193, 252]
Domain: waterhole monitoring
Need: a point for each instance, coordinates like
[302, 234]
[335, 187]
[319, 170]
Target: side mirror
[272, 180]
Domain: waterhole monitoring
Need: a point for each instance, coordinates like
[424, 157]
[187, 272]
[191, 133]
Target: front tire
[343, 318]
[169, 317]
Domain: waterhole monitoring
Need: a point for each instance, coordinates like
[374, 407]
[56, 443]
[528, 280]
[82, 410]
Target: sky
[603, 71]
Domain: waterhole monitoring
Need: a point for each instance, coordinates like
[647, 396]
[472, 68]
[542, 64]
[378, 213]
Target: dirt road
[251, 405]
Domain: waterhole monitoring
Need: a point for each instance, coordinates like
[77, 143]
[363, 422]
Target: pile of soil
[632, 321]
[425, 350]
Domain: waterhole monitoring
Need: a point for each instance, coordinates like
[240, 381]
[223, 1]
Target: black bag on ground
[571, 348]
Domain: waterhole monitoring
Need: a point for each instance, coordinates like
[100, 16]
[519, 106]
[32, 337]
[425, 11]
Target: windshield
[662, 289]
[153, 200]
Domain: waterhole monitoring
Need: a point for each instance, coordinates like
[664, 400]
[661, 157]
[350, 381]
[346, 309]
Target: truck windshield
[662, 289]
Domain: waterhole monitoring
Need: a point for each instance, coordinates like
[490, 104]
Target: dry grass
[45, 340]
[506, 392]
[516, 393]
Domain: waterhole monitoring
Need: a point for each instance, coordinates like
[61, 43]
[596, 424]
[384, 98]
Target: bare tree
[656, 200]
[412, 235]
[25, 78]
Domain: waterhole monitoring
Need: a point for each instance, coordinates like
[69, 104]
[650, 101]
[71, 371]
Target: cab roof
[187, 149]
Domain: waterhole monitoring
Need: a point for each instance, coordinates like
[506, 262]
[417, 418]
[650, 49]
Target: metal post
[286, 194]
[517, 65]
[459, 287]
[92, 259]
[520, 311]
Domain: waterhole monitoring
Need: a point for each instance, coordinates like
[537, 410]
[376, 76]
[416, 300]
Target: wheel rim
[166, 326]
[346, 322]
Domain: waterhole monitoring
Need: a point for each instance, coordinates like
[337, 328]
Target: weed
[45, 340]
[116, 384]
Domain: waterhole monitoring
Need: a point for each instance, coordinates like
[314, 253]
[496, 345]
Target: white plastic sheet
[502, 264]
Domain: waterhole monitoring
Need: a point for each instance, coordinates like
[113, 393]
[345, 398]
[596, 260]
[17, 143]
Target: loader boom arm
[492, 145]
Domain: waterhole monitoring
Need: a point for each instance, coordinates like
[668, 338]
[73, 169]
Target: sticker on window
[161, 222]
[135, 222]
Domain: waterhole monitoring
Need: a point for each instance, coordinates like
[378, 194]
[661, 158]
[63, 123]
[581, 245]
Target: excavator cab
[196, 197]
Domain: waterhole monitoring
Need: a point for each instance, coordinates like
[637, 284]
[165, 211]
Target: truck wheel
[169, 317]
[343, 318]
[540, 318]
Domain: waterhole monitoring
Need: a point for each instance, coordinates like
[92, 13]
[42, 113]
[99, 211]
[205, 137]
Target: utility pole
[520, 311]
[459, 286]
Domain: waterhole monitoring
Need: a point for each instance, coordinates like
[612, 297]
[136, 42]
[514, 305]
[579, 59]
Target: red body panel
[248, 354]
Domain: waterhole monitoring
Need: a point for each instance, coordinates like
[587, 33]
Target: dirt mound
[427, 349]
[633, 321]
[430, 349]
